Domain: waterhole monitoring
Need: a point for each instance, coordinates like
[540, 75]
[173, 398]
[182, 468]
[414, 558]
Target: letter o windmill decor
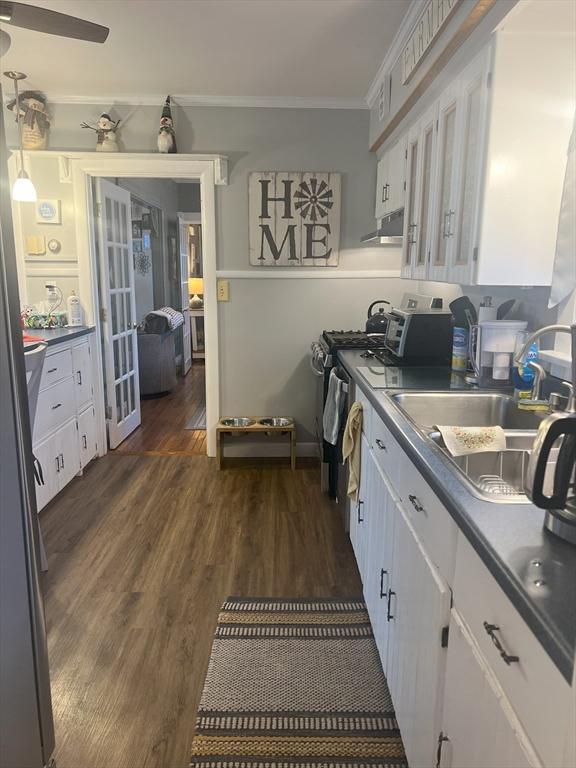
[294, 219]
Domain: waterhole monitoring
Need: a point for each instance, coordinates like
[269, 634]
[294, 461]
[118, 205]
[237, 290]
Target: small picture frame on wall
[48, 212]
[137, 229]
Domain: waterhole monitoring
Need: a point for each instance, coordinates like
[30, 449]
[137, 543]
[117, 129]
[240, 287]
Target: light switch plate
[223, 291]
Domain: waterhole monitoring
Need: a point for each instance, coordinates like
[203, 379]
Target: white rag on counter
[351, 448]
[333, 408]
[462, 441]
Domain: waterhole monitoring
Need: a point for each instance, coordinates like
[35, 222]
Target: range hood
[389, 232]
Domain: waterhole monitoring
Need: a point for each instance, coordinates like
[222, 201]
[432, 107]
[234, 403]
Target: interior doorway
[152, 305]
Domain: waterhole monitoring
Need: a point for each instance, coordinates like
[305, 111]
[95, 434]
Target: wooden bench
[225, 427]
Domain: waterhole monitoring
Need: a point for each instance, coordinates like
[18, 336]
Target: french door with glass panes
[118, 304]
[183, 227]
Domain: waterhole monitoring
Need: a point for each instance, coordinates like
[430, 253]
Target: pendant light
[23, 189]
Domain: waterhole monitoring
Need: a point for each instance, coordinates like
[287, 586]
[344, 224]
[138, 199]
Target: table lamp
[196, 291]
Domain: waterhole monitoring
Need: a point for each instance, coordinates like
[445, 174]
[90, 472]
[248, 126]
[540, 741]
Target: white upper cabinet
[390, 183]
[420, 171]
[495, 172]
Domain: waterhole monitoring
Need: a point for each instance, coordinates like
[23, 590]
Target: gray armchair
[156, 362]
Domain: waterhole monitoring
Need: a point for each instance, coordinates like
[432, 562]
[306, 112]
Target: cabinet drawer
[56, 367]
[367, 413]
[386, 450]
[56, 404]
[480, 600]
[431, 521]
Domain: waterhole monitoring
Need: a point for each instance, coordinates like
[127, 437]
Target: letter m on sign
[294, 219]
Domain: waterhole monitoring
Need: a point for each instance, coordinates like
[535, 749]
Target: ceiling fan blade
[51, 22]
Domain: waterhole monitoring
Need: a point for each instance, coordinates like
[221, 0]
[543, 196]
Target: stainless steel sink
[494, 476]
[465, 409]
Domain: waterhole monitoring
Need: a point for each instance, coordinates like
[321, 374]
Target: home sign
[294, 219]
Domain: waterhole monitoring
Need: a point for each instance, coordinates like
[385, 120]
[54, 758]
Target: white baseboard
[266, 448]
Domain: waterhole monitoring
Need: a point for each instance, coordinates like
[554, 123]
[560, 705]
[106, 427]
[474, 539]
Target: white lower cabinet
[360, 516]
[65, 428]
[87, 435]
[479, 728]
[57, 460]
[429, 597]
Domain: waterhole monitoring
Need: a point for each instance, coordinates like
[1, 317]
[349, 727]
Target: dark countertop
[57, 335]
[506, 537]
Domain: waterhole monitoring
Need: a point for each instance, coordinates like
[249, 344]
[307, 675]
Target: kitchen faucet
[540, 373]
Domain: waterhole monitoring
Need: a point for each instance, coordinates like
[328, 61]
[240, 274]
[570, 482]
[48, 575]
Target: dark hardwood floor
[164, 418]
[142, 551]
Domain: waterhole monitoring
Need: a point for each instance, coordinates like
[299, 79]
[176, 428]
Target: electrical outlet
[223, 290]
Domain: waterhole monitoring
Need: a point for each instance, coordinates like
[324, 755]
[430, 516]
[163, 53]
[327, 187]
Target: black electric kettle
[558, 430]
[377, 322]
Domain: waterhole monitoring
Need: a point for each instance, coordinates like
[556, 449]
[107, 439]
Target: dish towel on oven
[351, 448]
[333, 408]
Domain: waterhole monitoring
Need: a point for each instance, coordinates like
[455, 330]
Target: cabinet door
[473, 98]
[360, 512]
[68, 453]
[87, 435]
[425, 178]
[46, 452]
[381, 549]
[411, 208]
[445, 205]
[397, 175]
[82, 368]
[382, 186]
[479, 728]
[419, 610]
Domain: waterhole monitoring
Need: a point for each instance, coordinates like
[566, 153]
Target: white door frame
[202, 169]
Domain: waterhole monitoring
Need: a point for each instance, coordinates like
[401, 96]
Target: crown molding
[392, 54]
[188, 100]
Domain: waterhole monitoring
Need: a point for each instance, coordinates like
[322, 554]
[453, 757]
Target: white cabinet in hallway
[65, 429]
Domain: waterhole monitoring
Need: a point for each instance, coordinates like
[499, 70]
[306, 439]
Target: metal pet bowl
[276, 421]
[238, 421]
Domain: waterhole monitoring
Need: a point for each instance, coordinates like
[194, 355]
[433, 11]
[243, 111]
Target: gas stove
[332, 341]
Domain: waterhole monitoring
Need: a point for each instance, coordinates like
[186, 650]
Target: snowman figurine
[166, 134]
[35, 119]
[105, 133]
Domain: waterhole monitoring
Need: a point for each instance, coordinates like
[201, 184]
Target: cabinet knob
[380, 445]
[389, 615]
[58, 405]
[358, 508]
[383, 592]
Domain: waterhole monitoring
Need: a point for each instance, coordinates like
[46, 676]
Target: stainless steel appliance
[323, 359]
[26, 726]
[422, 336]
[556, 431]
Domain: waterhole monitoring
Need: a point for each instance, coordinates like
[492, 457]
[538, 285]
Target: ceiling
[247, 49]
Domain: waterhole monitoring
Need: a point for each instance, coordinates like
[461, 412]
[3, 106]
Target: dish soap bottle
[523, 378]
[74, 310]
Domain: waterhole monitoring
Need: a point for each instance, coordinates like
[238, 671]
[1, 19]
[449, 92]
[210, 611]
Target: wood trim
[460, 36]
[273, 273]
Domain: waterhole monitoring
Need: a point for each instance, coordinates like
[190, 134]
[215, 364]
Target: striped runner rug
[295, 683]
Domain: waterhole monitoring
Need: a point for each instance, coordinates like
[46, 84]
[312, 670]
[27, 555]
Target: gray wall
[267, 326]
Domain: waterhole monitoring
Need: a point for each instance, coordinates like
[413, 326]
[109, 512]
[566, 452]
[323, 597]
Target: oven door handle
[316, 371]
